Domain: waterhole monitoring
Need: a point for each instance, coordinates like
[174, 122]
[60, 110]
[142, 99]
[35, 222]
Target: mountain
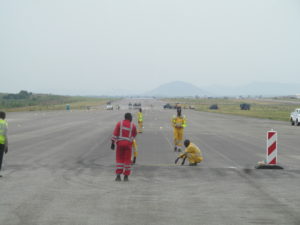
[177, 89]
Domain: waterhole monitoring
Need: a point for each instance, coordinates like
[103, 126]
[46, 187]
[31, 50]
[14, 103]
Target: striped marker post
[271, 157]
[271, 153]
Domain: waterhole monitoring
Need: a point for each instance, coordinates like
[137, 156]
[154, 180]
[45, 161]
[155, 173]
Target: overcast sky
[93, 46]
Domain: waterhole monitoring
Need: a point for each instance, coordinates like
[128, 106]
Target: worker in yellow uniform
[178, 123]
[3, 138]
[192, 153]
[140, 120]
[135, 151]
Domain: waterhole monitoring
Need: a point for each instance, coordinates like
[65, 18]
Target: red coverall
[124, 133]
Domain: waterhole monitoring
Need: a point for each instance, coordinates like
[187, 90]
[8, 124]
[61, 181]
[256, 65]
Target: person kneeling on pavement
[192, 153]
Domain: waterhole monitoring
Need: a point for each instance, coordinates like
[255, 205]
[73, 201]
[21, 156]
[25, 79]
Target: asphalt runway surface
[60, 170]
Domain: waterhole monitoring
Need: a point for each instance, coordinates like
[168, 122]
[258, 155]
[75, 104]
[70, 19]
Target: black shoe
[175, 149]
[118, 178]
[126, 178]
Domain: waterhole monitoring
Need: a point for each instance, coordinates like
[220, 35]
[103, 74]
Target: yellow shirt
[193, 149]
[179, 121]
[140, 116]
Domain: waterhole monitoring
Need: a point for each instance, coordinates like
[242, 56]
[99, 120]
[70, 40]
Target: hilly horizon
[184, 89]
[177, 89]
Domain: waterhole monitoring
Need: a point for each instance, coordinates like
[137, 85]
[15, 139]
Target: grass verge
[274, 109]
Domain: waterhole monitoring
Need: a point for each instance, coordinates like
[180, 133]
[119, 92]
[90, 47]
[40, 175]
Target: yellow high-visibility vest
[179, 121]
[3, 131]
[140, 116]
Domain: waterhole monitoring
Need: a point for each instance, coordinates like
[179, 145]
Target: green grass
[36, 102]
[274, 109]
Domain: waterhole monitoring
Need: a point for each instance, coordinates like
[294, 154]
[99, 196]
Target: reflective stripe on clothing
[127, 168]
[140, 117]
[124, 131]
[3, 131]
[121, 137]
[123, 159]
[179, 122]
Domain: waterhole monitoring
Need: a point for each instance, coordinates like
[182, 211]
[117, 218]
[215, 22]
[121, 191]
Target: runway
[60, 170]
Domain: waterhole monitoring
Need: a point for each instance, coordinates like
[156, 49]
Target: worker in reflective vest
[123, 136]
[135, 151]
[140, 120]
[3, 137]
[192, 153]
[178, 123]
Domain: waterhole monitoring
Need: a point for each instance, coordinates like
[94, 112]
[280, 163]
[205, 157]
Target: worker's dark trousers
[1, 154]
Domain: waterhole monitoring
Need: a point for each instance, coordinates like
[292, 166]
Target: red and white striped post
[271, 156]
[271, 161]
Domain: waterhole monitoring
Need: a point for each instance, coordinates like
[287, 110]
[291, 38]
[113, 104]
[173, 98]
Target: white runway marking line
[225, 157]
[171, 146]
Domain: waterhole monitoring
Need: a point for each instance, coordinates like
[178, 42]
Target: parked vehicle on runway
[137, 105]
[109, 107]
[295, 117]
[169, 106]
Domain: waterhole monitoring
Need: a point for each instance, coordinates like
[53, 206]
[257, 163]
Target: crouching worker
[135, 151]
[192, 153]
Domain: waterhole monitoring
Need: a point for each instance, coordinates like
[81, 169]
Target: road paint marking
[171, 146]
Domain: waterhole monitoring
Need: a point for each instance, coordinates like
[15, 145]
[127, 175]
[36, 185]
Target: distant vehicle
[137, 105]
[245, 106]
[109, 107]
[169, 106]
[214, 107]
[191, 107]
[295, 117]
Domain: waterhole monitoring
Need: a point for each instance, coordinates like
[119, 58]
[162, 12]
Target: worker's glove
[6, 149]
[112, 146]
[176, 160]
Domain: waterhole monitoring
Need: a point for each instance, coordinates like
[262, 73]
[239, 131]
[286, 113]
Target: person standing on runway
[140, 118]
[3, 137]
[123, 136]
[178, 123]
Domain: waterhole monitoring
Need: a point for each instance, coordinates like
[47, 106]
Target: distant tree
[21, 95]
[24, 94]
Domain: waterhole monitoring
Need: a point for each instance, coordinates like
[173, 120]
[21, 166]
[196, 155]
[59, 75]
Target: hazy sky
[92, 46]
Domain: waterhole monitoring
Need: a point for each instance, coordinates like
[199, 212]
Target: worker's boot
[118, 178]
[126, 178]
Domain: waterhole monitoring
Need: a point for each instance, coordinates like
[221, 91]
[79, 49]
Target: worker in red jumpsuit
[124, 133]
